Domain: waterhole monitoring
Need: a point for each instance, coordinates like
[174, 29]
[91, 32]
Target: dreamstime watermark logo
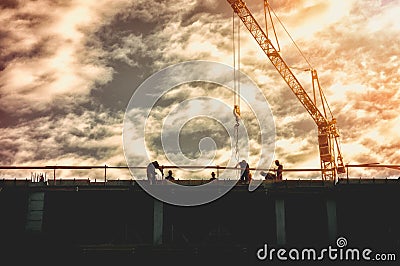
[339, 253]
[341, 242]
[182, 97]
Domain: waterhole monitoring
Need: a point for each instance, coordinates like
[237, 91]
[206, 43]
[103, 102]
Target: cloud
[46, 54]
[90, 136]
[67, 75]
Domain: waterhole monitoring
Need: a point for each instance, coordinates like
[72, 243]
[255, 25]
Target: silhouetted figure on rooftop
[212, 176]
[151, 171]
[244, 170]
[279, 171]
[169, 176]
[268, 176]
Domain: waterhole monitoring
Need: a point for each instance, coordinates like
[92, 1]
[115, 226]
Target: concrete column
[34, 219]
[158, 222]
[332, 220]
[280, 221]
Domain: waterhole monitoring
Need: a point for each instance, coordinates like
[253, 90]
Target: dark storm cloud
[201, 11]
[197, 129]
[9, 44]
[190, 136]
[9, 4]
[44, 139]
[8, 151]
[300, 129]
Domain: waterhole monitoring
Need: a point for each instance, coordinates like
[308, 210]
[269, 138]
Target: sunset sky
[69, 68]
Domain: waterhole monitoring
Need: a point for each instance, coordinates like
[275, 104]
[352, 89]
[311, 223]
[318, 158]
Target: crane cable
[287, 32]
[236, 85]
[298, 48]
[267, 8]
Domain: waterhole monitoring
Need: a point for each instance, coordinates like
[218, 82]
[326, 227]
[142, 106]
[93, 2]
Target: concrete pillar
[158, 222]
[34, 219]
[332, 220]
[280, 221]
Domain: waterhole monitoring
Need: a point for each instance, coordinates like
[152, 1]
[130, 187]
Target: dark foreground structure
[82, 222]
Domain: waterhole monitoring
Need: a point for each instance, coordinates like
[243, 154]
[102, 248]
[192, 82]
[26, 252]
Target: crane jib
[259, 35]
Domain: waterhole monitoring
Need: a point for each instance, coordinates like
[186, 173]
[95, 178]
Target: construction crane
[328, 135]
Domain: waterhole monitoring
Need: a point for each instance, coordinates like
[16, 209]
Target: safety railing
[105, 168]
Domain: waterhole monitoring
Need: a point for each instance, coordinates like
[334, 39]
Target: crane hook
[236, 112]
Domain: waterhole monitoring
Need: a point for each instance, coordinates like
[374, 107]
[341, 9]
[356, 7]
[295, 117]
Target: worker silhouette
[212, 176]
[244, 170]
[41, 178]
[169, 176]
[279, 171]
[268, 175]
[151, 171]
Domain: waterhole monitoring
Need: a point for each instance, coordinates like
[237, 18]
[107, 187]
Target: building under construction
[79, 219]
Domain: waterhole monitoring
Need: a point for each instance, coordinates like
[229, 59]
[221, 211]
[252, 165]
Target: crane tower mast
[328, 136]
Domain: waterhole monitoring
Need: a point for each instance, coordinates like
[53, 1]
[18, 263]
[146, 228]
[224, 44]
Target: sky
[69, 68]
